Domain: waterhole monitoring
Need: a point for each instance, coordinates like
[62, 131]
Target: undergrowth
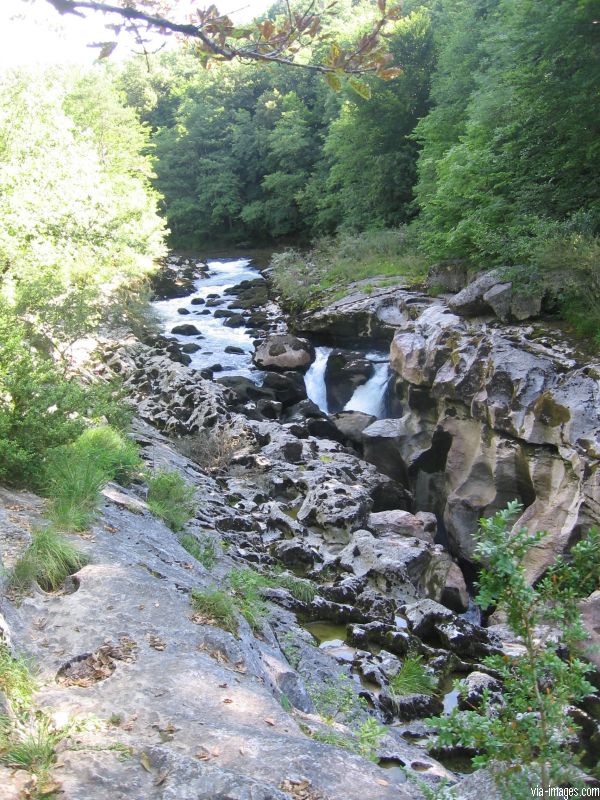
[334, 263]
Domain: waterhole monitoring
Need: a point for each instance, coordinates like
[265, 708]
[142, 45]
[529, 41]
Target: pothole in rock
[71, 585]
[90, 668]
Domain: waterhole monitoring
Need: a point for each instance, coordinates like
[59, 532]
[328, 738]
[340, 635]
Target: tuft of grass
[48, 561]
[74, 487]
[217, 606]
[171, 499]
[247, 584]
[112, 452]
[75, 474]
[412, 678]
[300, 589]
[16, 683]
[202, 549]
[34, 749]
[335, 700]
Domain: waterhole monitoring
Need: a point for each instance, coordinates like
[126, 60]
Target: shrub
[171, 499]
[212, 449]
[49, 560]
[217, 606]
[528, 737]
[412, 678]
[41, 408]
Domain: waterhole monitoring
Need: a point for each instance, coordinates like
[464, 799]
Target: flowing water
[369, 398]
[214, 335]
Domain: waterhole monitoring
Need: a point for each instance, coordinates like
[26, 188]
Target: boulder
[336, 508]
[283, 352]
[351, 424]
[395, 564]
[490, 292]
[187, 329]
[447, 276]
[288, 387]
[476, 684]
[190, 347]
[399, 523]
[470, 301]
[235, 321]
[381, 446]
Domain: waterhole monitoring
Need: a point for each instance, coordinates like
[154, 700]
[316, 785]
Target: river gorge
[352, 449]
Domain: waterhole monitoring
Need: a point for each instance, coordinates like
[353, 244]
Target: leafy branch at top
[275, 41]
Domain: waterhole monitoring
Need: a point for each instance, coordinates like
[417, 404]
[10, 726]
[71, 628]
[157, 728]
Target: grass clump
[75, 474]
[336, 701]
[244, 596]
[74, 486]
[202, 549]
[16, 683]
[412, 678]
[111, 451]
[171, 499]
[215, 606]
[48, 561]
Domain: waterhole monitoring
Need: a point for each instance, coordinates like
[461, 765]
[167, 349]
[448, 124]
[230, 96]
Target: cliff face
[484, 413]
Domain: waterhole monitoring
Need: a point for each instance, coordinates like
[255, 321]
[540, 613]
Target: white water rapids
[369, 398]
[214, 337]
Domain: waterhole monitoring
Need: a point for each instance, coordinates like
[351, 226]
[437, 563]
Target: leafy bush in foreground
[527, 740]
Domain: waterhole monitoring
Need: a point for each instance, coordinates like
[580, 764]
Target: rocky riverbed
[373, 504]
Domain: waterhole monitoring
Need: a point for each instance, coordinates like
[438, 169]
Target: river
[215, 337]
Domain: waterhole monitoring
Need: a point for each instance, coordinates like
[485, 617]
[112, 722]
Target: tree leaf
[360, 87]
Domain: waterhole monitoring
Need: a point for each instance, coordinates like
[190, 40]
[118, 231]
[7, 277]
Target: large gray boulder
[284, 352]
[492, 292]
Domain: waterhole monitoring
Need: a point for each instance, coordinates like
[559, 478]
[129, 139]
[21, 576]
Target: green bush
[528, 739]
[48, 561]
[171, 499]
[41, 409]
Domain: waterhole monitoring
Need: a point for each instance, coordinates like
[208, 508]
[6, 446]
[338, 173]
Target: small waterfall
[315, 378]
[370, 397]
